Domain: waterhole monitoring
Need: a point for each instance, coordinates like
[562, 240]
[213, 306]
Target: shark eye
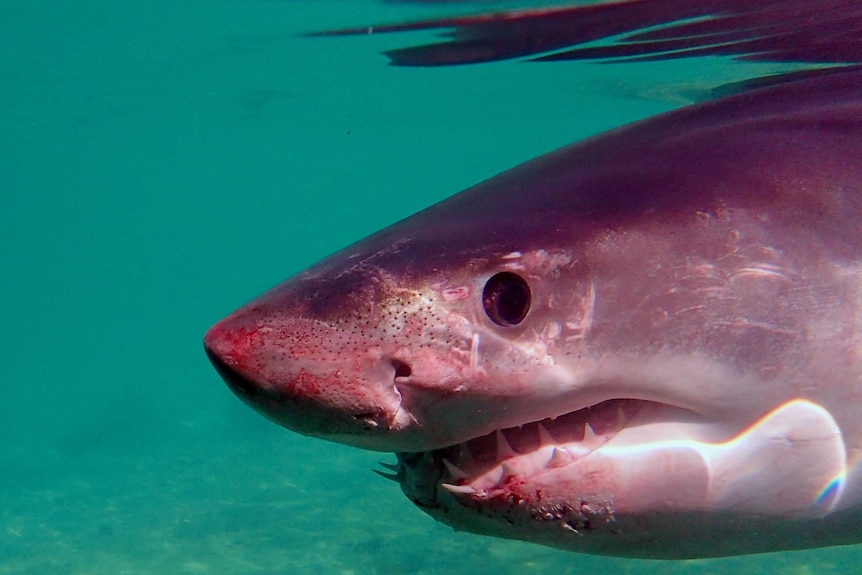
[506, 299]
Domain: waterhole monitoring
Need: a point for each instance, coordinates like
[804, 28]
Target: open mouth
[630, 457]
[487, 466]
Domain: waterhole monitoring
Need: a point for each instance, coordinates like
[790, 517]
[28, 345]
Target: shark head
[646, 338]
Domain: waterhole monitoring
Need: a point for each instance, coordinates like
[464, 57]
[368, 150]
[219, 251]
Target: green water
[161, 163]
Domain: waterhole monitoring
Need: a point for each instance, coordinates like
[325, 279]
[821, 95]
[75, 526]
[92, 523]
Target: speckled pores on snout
[368, 353]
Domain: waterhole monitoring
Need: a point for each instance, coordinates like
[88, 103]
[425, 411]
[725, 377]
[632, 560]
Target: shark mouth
[630, 457]
[487, 467]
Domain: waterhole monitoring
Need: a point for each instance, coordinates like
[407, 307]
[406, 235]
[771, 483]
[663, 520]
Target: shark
[646, 344]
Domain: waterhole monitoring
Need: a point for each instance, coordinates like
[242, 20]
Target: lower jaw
[641, 460]
[467, 486]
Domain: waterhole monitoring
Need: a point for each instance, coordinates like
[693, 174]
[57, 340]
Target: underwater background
[163, 162]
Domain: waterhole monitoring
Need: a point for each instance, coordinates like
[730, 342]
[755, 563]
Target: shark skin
[645, 344]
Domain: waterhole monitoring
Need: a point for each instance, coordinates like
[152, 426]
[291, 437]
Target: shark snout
[232, 355]
[238, 384]
[296, 381]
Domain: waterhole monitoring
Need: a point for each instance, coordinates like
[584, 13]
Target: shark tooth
[589, 433]
[506, 471]
[503, 448]
[390, 476]
[545, 437]
[453, 470]
[459, 489]
[560, 457]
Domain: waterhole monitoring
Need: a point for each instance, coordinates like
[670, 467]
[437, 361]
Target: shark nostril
[401, 369]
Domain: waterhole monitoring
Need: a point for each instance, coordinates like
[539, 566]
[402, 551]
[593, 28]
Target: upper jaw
[325, 381]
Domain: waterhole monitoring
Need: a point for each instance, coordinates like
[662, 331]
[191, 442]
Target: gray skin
[686, 380]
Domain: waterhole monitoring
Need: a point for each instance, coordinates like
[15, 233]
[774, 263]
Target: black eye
[506, 299]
